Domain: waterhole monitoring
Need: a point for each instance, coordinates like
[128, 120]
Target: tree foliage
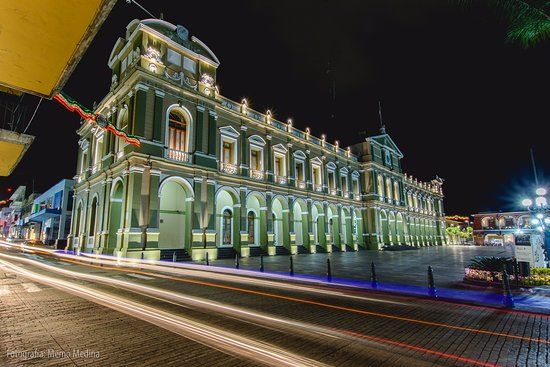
[528, 21]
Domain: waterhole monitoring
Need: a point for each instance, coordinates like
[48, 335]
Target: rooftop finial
[382, 126]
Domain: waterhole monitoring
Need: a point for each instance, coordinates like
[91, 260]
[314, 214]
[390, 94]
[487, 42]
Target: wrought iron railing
[177, 155]
[228, 168]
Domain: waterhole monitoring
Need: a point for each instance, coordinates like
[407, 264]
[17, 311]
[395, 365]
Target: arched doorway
[278, 222]
[384, 227]
[252, 231]
[78, 219]
[228, 216]
[400, 228]
[175, 210]
[256, 219]
[299, 209]
[227, 227]
[392, 227]
[92, 230]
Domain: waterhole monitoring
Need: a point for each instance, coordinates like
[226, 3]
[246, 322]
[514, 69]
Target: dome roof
[177, 33]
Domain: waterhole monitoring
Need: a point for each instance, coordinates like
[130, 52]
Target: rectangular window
[189, 65]
[331, 180]
[174, 58]
[227, 154]
[299, 171]
[255, 160]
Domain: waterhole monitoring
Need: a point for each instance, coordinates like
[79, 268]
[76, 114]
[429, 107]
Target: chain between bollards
[373, 279]
[207, 260]
[329, 271]
[236, 261]
[431, 284]
[291, 269]
[262, 263]
[507, 298]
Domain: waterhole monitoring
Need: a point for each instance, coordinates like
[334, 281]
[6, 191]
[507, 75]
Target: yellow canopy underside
[41, 41]
[12, 148]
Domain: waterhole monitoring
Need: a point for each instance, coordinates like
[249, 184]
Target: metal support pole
[373, 279]
[262, 263]
[237, 261]
[431, 284]
[207, 260]
[329, 271]
[508, 299]
[291, 269]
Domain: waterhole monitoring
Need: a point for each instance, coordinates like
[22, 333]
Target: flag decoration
[86, 114]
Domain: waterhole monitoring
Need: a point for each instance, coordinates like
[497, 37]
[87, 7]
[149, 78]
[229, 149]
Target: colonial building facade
[214, 176]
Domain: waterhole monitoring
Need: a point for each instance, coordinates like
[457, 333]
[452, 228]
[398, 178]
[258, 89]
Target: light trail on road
[241, 313]
[228, 342]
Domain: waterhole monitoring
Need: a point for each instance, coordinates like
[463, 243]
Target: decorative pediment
[387, 142]
[331, 166]
[299, 154]
[344, 170]
[280, 148]
[355, 174]
[229, 131]
[257, 140]
[317, 161]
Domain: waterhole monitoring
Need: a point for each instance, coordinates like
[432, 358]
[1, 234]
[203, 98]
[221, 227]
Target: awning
[12, 148]
[43, 41]
[43, 215]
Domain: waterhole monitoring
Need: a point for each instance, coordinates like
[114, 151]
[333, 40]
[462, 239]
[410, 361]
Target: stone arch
[318, 223]
[228, 218]
[333, 224]
[280, 217]
[299, 216]
[346, 227]
[384, 227]
[357, 226]
[400, 225]
[256, 223]
[392, 227]
[175, 213]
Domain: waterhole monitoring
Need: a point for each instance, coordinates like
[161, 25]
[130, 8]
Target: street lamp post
[539, 210]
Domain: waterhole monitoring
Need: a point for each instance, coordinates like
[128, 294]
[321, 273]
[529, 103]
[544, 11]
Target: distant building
[10, 216]
[461, 222]
[51, 213]
[500, 228]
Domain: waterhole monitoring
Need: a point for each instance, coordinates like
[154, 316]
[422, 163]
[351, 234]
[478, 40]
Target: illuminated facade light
[526, 202]
[541, 191]
[541, 201]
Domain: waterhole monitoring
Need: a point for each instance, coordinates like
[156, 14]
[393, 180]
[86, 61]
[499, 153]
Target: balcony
[332, 192]
[228, 168]
[95, 168]
[357, 197]
[345, 194]
[301, 184]
[257, 175]
[280, 180]
[318, 188]
[177, 155]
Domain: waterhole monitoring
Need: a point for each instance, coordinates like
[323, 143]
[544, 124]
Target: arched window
[226, 227]
[388, 188]
[396, 191]
[177, 131]
[251, 232]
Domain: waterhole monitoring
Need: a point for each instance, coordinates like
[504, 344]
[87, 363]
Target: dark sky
[457, 99]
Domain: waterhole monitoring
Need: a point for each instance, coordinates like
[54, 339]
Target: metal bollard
[373, 279]
[507, 298]
[291, 270]
[329, 271]
[431, 284]
[141, 255]
[174, 256]
[237, 261]
[516, 272]
[207, 261]
[262, 263]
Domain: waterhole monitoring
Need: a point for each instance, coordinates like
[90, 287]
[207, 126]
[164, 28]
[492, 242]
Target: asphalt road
[58, 311]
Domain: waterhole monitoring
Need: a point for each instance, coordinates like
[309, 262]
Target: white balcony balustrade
[301, 184]
[345, 194]
[257, 175]
[318, 188]
[332, 192]
[228, 168]
[281, 180]
[357, 197]
[177, 155]
[96, 167]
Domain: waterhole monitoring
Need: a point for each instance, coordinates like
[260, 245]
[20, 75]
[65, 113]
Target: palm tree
[528, 21]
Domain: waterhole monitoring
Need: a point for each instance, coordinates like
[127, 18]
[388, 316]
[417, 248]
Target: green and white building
[213, 175]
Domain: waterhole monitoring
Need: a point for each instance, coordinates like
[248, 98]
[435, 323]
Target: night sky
[457, 99]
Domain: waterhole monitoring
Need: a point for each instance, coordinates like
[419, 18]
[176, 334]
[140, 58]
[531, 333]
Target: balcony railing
[257, 175]
[345, 194]
[91, 242]
[301, 184]
[280, 179]
[228, 168]
[177, 155]
[332, 192]
[95, 168]
[357, 197]
[318, 188]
